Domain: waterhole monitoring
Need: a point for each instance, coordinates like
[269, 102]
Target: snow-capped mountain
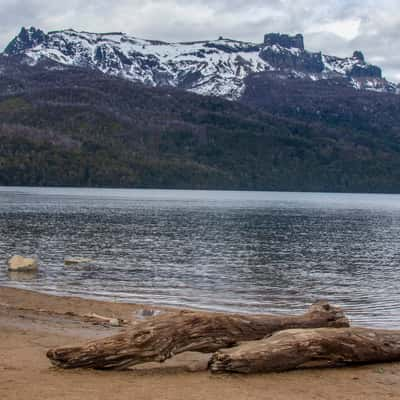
[219, 67]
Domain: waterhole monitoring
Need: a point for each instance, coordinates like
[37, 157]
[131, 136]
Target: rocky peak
[285, 52]
[358, 55]
[363, 70]
[26, 39]
[284, 40]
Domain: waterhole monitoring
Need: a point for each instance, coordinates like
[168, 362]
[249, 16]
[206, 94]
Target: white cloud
[347, 29]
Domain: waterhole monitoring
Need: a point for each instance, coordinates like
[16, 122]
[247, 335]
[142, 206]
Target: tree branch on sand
[300, 348]
[164, 336]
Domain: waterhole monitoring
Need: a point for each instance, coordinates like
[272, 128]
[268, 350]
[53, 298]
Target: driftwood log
[301, 348]
[164, 336]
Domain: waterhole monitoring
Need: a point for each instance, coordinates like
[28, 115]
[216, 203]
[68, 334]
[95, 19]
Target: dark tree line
[74, 127]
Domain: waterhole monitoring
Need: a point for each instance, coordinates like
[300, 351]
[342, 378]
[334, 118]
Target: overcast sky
[336, 27]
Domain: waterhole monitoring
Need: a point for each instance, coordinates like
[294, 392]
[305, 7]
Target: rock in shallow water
[77, 260]
[21, 264]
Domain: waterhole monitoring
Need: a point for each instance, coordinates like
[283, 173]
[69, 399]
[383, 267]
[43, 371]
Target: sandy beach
[31, 323]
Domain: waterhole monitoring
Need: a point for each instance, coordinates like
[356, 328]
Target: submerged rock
[77, 260]
[21, 264]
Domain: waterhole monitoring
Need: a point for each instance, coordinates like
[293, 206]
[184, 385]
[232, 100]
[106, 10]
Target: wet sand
[31, 323]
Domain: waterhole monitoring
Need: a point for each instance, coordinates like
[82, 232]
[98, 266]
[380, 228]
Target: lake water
[233, 251]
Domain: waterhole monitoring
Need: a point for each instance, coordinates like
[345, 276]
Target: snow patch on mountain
[217, 67]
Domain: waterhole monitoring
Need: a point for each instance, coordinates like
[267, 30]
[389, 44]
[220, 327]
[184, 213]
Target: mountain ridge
[210, 67]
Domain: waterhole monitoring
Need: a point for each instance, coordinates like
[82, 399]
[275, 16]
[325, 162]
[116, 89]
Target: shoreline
[32, 322]
[59, 303]
[135, 304]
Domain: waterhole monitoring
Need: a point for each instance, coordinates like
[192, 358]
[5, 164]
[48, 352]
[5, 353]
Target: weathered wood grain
[164, 336]
[299, 348]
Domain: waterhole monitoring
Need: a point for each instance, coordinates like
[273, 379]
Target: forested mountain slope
[76, 126]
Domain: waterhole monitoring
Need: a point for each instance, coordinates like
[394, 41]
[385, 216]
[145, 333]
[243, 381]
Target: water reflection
[248, 252]
[21, 276]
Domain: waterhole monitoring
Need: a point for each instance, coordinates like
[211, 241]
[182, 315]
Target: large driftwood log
[164, 336]
[300, 348]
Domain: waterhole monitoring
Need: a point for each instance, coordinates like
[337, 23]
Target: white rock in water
[19, 263]
[77, 260]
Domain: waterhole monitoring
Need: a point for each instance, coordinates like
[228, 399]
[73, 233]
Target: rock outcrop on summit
[212, 67]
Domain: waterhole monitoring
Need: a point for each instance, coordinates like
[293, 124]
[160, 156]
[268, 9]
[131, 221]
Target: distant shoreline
[166, 189]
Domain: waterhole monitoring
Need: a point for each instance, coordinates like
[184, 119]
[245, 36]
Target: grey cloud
[179, 20]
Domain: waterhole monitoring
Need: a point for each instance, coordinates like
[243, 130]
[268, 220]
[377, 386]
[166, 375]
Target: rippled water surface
[233, 251]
